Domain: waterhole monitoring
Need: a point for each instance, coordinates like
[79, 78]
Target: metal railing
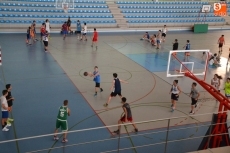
[149, 138]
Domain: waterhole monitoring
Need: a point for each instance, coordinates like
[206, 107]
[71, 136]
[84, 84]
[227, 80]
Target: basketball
[85, 73]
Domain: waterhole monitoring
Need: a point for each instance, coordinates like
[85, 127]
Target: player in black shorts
[9, 99]
[194, 94]
[116, 88]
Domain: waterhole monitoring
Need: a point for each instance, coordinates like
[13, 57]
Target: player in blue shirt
[146, 36]
[97, 80]
[187, 54]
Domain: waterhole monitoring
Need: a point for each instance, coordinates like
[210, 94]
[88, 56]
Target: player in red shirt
[64, 30]
[221, 42]
[94, 38]
[42, 30]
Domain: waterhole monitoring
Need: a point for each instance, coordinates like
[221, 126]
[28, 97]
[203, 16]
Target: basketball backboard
[181, 61]
[206, 8]
[63, 4]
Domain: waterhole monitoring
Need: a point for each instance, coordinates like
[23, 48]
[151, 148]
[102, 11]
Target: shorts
[130, 119]
[78, 32]
[163, 35]
[97, 85]
[5, 114]
[94, 40]
[158, 41]
[62, 124]
[84, 34]
[114, 94]
[194, 101]
[220, 44]
[174, 97]
[10, 103]
[45, 43]
[28, 36]
[64, 32]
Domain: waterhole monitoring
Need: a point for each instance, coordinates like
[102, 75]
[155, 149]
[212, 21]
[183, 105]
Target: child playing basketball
[146, 36]
[187, 54]
[221, 42]
[96, 79]
[215, 82]
[64, 30]
[61, 121]
[153, 40]
[116, 88]
[194, 94]
[28, 36]
[94, 38]
[175, 92]
[159, 39]
[84, 32]
[127, 117]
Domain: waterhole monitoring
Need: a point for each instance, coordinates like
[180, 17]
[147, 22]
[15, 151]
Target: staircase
[118, 16]
[227, 19]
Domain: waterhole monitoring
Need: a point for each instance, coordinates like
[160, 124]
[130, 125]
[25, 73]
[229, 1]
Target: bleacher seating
[140, 14]
[23, 12]
[20, 13]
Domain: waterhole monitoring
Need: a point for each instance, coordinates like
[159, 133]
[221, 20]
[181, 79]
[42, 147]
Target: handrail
[77, 144]
[103, 127]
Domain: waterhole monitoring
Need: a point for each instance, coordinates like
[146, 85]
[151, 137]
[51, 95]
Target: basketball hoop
[65, 7]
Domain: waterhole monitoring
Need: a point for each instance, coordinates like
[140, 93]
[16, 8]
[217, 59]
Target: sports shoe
[191, 113]
[117, 132]
[8, 124]
[56, 138]
[105, 105]
[173, 108]
[95, 94]
[5, 129]
[136, 130]
[64, 140]
[101, 89]
[10, 119]
[85, 39]
[91, 45]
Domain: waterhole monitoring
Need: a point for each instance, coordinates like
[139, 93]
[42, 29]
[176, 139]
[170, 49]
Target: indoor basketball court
[43, 80]
[59, 76]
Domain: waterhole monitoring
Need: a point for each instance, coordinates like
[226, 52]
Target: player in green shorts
[63, 112]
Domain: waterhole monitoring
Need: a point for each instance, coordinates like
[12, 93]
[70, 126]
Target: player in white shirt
[84, 32]
[47, 26]
[5, 113]
[164, 31]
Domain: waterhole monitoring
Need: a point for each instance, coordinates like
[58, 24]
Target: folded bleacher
[23, 12]
[139, 14]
